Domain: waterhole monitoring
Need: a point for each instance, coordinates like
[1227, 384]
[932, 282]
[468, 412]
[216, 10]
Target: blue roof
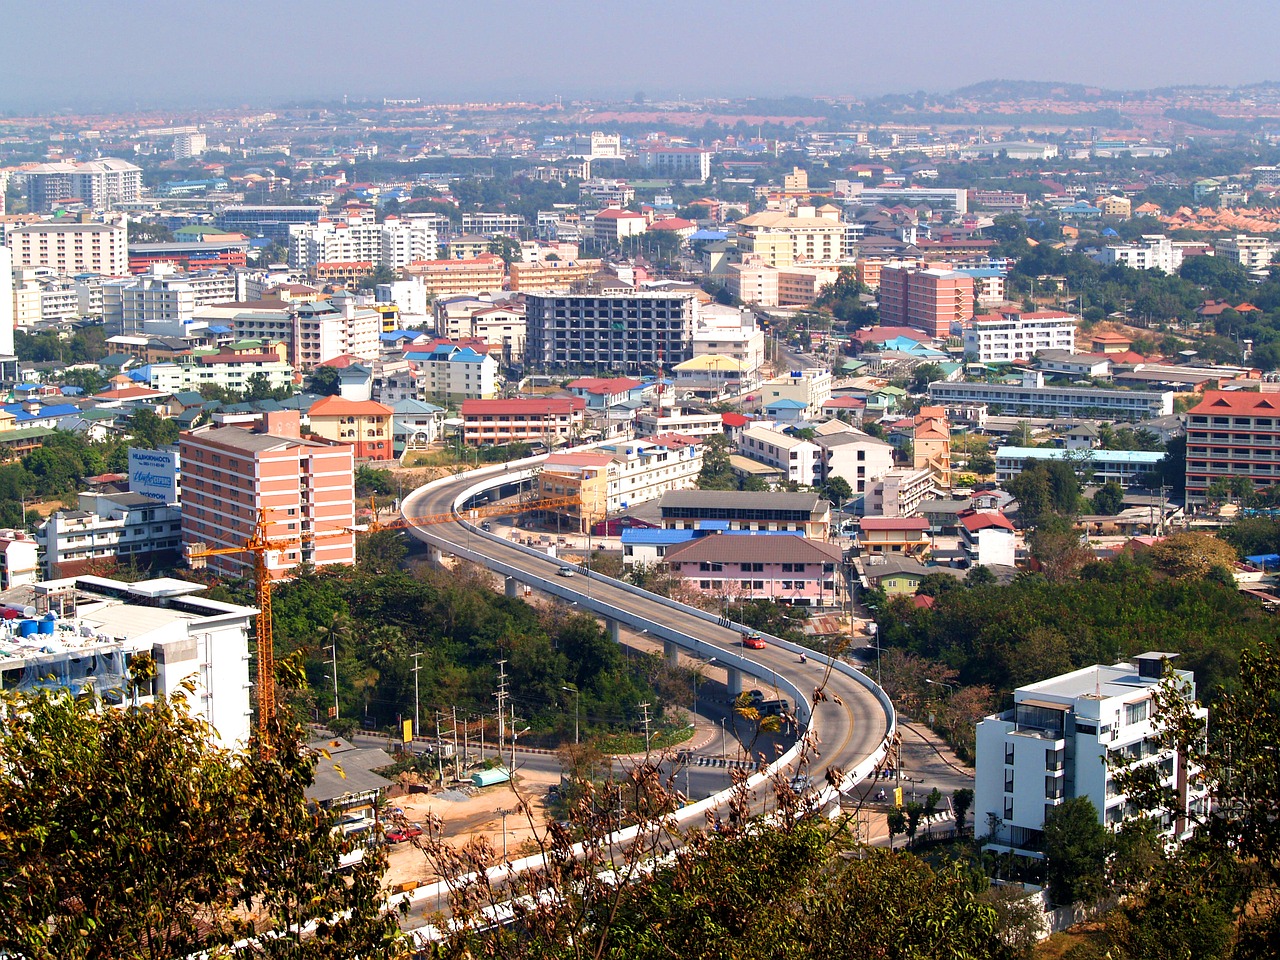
[708, 235]
[786, 404]
[45, 412]
[394, 335]
[652, 535]
[219, 329]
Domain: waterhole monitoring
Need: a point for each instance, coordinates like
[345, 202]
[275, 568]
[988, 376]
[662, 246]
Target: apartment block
[1063, 738]
[333, 328]
[449, 373]
[99, 184]
[931, 301]
[545, 275]
[90, 629]
[163, 301]
[1128, 468]
[305, 487]
[72, 248]
[528, 420]
[1006, 337]
[1252, 253]
[107, 529]
[803, 513]
[674, 420]
[364, 425]
[450, 278]
[1035, 399]
[1232, 434]
[787, 568]
[393, 244]
[272, 222]
[784, 240]
[810, 387]
[19, 559]
[796, 459]
[506, 224]
[1153, 251]
[899, 492]
[681, 163]
[627, 333]
[858, 458]
[612, 224]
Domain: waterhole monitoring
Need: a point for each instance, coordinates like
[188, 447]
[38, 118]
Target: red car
[401, 834]
[753, 641]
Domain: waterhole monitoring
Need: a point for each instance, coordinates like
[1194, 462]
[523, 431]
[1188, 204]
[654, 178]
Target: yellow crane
[260, 543]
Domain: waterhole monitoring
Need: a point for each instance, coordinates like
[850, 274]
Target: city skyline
[165, 57]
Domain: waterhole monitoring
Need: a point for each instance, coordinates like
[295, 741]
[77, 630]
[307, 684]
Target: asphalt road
[848, 720]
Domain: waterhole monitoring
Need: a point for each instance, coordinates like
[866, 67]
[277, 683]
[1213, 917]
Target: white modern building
[1252, 253]
[1034, 399]
[230, 369]
[99, 184]
[899, 492]
[1006, 337]
[798, 460]
[682, 163]
[729, 332]
[109, 528]
[19, 559]
[811, 387]
[394, 243]
[162, 302]
[858, 458]
[988, 538]
[89, 629]
[1153, 251]
[450, 373]
[333, 328]
[675, 420]
[72, 248]
[1126, 467]
[7, 323]
[1062, 739]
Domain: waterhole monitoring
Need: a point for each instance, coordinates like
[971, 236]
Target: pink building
[743, 566]
[932, 301]
[305, 485]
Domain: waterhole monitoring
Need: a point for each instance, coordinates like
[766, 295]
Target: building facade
[108, 529]
[803, 513]
[529, 420]
[304, 486]
[72, 248]
[1232, 434]
[1035, 399]
[1006, 337]
[628, 333]
[1063, 738]
[929, 300]
[738, 567]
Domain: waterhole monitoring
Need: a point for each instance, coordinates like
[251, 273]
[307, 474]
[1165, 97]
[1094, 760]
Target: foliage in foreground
[125, 834]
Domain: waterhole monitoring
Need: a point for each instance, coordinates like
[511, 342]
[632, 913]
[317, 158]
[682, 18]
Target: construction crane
[260, 543]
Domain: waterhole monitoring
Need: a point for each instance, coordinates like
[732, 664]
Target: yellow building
[1112, 206]
[782, 240]
[581, 475]
[931, 444]
[551, 274]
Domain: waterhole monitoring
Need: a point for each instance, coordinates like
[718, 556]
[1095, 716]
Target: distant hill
[996, 90]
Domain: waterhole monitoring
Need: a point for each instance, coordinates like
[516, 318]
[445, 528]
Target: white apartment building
[728, 332]
[394, 244]
[449, 374]
[675, 420]
[503, 326]
[7, 323]
[108, 527]
[270, 321]
[98, 183]
[163, 302]
[812, 387]
[40, 296]
[19, 559]
[899, 492]
[1154, 251]
[507, 224]
[648, 469]
[188, 145]
[798, 460]
[1252, 253]
[90, 628]
[1006, 337]
[232, 371]
[859, 458]
[71, 248]
[333, 328]
[684, 163]
[1060, 741]
[409, 296]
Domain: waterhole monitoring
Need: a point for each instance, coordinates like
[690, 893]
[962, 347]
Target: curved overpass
[851, 728]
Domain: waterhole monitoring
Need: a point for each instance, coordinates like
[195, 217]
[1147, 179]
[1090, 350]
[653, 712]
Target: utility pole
[481, 718]
[456, 759]
[335, 679]
[645, 708]
[439, 750]
[502, 703]
[417, 668]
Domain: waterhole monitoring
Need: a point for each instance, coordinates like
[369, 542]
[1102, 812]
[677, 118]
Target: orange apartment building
[306, 486]
[449, 278]
[932, 301]
[362, 424]
[1232, 433]
[551, 274]
[530, 419]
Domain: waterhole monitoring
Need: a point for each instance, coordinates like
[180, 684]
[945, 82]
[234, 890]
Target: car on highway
[564, 572]
[801, 782]
[402, 834]
[753, 641]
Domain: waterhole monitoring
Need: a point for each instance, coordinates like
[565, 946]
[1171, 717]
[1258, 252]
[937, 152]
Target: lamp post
[577, 697]
[942, 683]
[335, 678]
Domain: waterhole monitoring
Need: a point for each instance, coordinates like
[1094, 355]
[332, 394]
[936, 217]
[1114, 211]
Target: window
[1008, 808]
[1008, 753]
[1054, 760]
[1008, 781]
[1136, 712]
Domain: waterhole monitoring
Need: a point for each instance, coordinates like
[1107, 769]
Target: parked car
[401, 834]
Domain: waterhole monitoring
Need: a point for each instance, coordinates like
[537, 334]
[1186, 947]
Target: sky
[93, 54]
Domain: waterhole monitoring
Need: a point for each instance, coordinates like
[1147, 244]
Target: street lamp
[577, 697]
[942, 683]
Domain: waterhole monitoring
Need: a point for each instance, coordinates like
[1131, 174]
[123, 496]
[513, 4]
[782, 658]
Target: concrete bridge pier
[734, 680]
[512, 587]
[672, 653]
[613, 627]
[435, 556]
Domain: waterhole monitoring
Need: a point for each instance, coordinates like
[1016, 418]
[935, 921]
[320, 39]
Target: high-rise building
[72, 248]
[98, 184]
[304, 486]
[6, 303]
[333, 328]
[1063, 738]
[630, 333]
[163, 301]
[1232, 434]
[932, 301]
[683, 163]
[393, 244]
[188, 145]
[1006, 337]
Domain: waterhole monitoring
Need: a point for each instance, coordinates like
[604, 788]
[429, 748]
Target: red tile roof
[973, 522]
[1238, 402]
[844, 403]
[734, 419]
[605, 385]
[614, 214]
[523, 405]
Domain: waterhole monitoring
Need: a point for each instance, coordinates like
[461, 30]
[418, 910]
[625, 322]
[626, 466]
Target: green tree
[125, 833]
[325, 381]
[1075, 849]
[1109, 499]
[961, 803]
[836, 490]
[983, 464]
[716, 472]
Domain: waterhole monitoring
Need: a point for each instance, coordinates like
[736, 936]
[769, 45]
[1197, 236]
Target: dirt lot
[479, 815]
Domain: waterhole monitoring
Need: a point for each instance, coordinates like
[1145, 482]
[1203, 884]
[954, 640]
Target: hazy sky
[82, 54]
